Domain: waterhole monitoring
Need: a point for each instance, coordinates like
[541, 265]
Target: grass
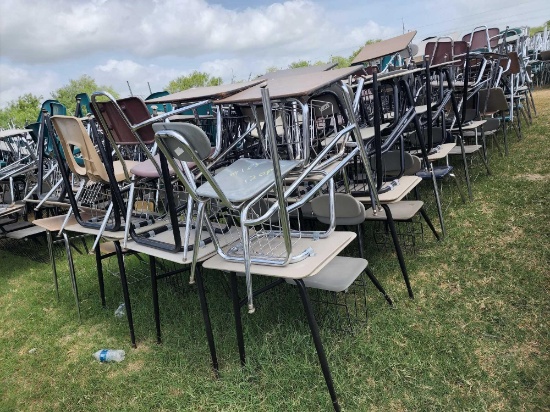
[476, 337]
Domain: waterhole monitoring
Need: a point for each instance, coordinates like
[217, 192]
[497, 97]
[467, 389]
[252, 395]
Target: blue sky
[44, 44]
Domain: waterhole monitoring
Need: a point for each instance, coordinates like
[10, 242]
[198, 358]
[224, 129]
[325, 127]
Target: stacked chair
[257, 179]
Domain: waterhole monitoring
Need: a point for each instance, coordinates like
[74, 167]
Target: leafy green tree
[533, 30]
[195, 79]
[84, 84]
[20, 112]
[299, 63]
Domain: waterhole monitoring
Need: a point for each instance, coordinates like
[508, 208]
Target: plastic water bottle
[120, 311]
[110, 355]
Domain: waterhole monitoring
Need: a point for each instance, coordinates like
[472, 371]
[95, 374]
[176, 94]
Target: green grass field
[476, 337]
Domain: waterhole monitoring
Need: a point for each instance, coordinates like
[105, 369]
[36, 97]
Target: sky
[147, 43]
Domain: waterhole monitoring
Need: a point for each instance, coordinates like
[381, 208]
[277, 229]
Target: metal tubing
[207, 324]
[237, 313]
[318, 343]
[125, 292]
[154, 288]
[398, 251]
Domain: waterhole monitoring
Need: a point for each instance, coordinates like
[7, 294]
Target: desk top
[406, 184]
[12, 132]
[53, 224]
[383, 48]
[204, 252]
[298, 70]
[292, 86]
[444, 150]
[325, 250]
[205, 93]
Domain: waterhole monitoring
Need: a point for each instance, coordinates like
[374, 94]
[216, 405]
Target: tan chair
[71, 132]
[96, 197]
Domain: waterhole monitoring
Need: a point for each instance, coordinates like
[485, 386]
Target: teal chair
[82, 105]
[160, 107]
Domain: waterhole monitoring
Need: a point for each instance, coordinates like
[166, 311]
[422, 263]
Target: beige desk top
[444, 150]
[325, 250]
[205, 93]
[406, 184]
[53, 224]
[204, 252]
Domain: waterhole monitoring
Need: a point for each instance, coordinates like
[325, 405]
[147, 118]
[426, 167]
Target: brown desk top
[205, 93]
[384, 48]
[299, 70]
[292, 86]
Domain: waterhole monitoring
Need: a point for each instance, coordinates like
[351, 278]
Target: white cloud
[163, 27]
[16, 81]
[117, 73]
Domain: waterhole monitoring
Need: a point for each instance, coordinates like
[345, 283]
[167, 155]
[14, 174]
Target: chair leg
[52, 261]
[438, 204]
[99, 268]
[485, 163]
[532, 101]
[125, 292]
[465, 164]
[71, 272]
[429, 222]
[154, 288]
[457, 182]
[237, 313]
[398, 251]
[360, 238]
[206, 319]
[378, 286]
[318, 343]
[505, 132]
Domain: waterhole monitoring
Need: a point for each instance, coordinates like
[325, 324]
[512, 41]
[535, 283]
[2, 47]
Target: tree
[84, 84]
[195, 79]
[20, 112]
[534, 30]
[304, 63]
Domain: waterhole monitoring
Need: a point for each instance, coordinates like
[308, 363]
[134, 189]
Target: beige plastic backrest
[347, 209]
[71, 131]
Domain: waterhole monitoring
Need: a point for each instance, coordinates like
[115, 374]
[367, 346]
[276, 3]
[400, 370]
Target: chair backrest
[159, 106]
[347, 209]
[71, 132]
[439, 51]
[82, 105]
[195, 140]
[483, 39]
[118, 118]
[496, 101]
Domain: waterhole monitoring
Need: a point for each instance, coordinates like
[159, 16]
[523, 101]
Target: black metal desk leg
[124, 284]
[237, 313]
[99, 268]
[391, 224]
[318, 344]
[154, 287]
[71, 272]
[206, 319]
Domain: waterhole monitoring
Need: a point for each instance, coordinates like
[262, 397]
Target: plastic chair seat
[337, 276]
